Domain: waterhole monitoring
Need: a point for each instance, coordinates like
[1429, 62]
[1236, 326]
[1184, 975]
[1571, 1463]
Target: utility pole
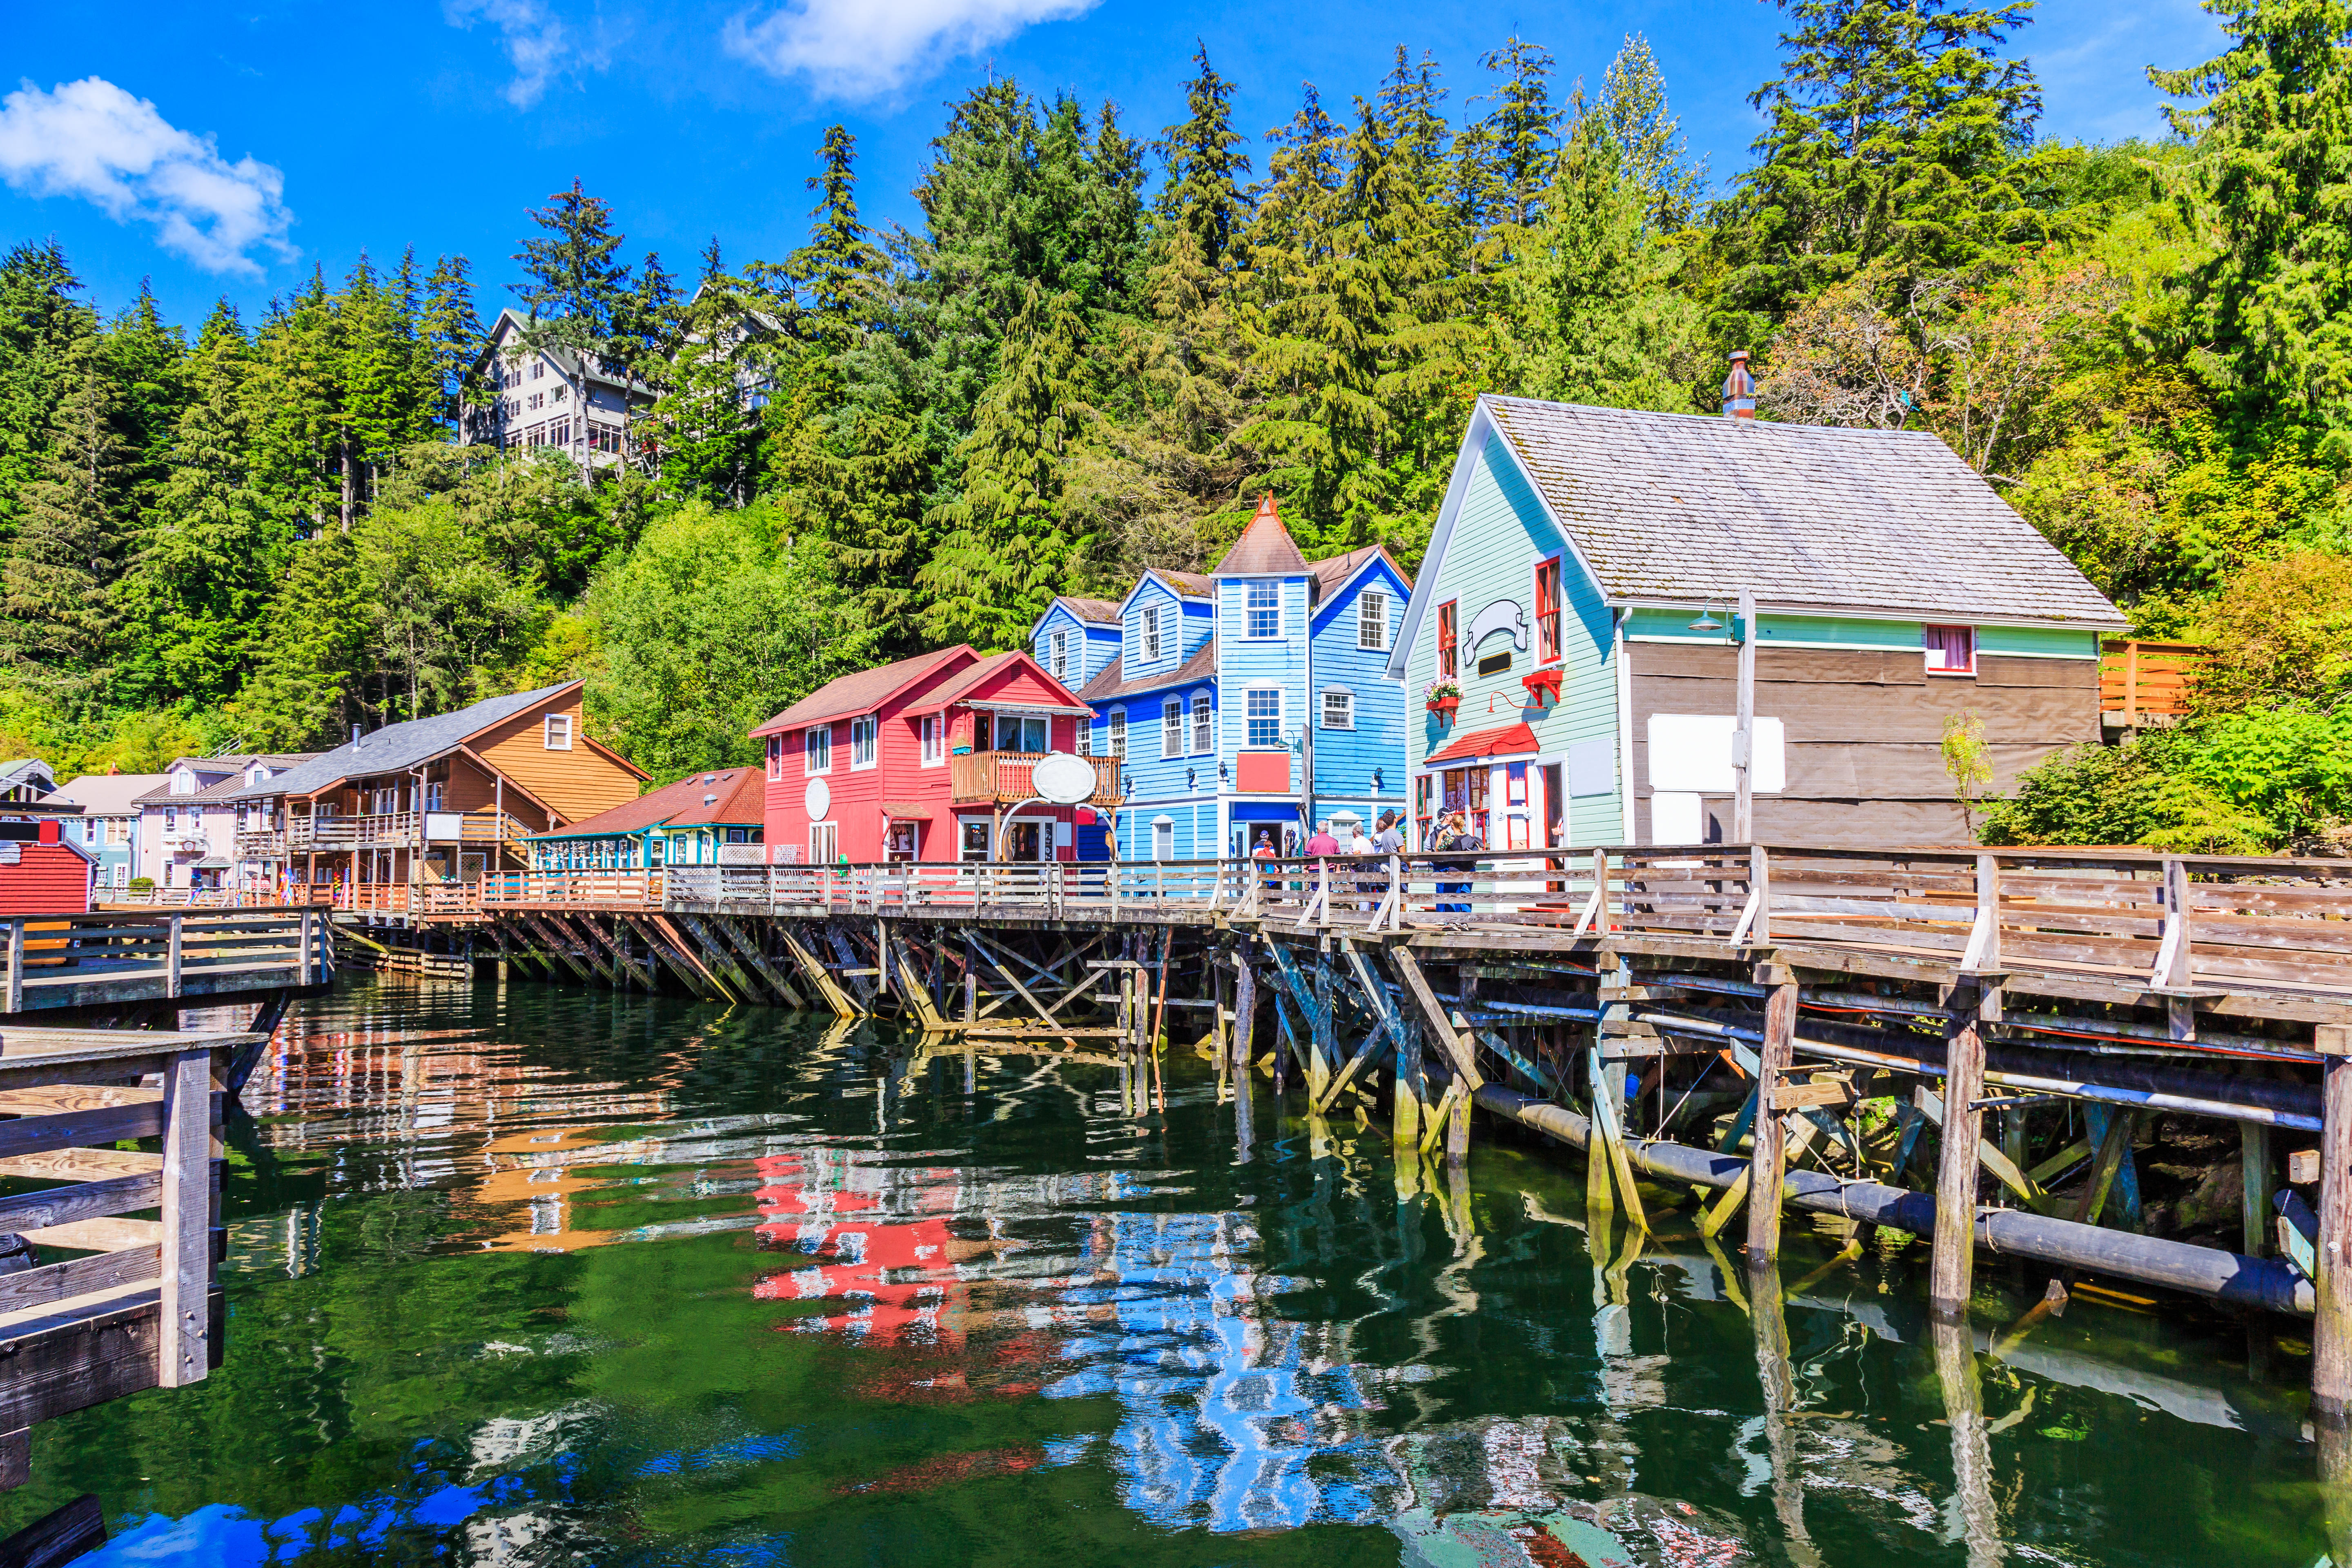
[1743, 731]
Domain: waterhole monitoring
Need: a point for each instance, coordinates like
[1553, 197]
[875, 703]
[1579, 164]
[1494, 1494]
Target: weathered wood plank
[186, 1261]
[31, 1211]
[31, 1287]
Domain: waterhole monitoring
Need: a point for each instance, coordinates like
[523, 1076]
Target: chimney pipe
[1739, 389]
[355, 734]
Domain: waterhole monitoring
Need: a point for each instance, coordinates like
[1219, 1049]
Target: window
[817, 754]
[1085, 729]
[1202, 737]
[1951, 650]
[927, 728]
[433, 795]
[1448, 665]
[556, 732]
[825, 843]
[1163, 838]
[1265, 610]
[1372, 621]
[1171, 727]
[538, 401]
[1151, 634]
[1548, 610]
[1338, 711]
[1119, 733]
[775, 756]
[862, 733]
[556, 395]
[1060, 644]
[538, 368]
[604, 438]
[1266, 718]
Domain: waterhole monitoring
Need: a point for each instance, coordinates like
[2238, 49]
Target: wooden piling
[2331, 1328]
[2254, 1188]
[1767, 1164]
[1952, 1265]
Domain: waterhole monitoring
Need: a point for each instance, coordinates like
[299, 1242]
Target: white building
[553, 397]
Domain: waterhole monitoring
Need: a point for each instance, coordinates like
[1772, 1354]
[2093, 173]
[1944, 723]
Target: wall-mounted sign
[818, 799]
[1502, 615]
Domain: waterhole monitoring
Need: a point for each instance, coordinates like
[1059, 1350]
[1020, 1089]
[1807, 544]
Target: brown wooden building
[439, 799]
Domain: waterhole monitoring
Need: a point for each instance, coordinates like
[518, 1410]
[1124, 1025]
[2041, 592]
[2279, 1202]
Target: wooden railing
[570, 889]
[398, 830]
[2148, 679]
[73, 960]
[1001, 778]
[261, 844]
[70, 1097]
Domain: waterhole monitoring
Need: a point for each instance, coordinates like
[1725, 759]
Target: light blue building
[108, 827]
[1253, 700]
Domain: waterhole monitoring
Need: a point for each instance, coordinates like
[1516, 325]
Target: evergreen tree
[146, 361]
[1002, 556]
[1649, 138]
[2273, 115]
[1517, 141]
[42, 325]
[1201, 191]
[308, 683]
[452, 339]
[56, 603]
[577, 291]
[1895, 132]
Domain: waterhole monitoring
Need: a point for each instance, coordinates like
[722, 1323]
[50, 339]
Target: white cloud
[869, 48]
[538, 42]
[92, 140]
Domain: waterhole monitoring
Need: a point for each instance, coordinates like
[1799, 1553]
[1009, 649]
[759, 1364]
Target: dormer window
[184, 782]
[1151, 634]
[1060, 645]
[556, 732]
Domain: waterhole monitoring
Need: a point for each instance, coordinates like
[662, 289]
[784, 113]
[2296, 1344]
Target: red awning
[906, 810]
[1498, 742]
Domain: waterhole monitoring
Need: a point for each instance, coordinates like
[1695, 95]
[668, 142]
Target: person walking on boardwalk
[1264, 853]
[1455, 837]
[1320, 841]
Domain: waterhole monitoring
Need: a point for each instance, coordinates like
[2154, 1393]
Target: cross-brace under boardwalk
[1968, 1047]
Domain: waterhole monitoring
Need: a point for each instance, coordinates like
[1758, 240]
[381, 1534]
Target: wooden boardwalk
[120, 959]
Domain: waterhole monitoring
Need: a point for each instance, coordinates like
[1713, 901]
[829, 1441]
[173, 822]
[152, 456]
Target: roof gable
[1013, 678]
[864, 691]
[398, 747]
[735, 797]
[1338, 578]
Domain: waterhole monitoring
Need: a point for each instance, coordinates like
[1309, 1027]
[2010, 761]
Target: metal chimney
[1739, 389]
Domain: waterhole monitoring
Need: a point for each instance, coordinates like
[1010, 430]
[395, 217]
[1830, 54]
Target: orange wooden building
[439, 799]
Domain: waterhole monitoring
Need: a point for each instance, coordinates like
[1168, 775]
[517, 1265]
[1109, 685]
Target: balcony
[260, 844]
[1001, 778]
[402, 830]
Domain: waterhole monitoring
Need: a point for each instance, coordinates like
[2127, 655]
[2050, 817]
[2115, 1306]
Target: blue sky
[225, 151]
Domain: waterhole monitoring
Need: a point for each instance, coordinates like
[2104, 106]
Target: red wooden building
[42, 872]
[926, 759]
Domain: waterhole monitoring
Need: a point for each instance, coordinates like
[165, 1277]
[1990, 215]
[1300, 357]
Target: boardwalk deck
[121, 958]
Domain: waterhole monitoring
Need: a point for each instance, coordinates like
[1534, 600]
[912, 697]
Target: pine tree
[210, 554]
[577, 291]
[1003, 554]
[146, 361]
[451, 338]
[1894, 135]
[1517, 142]
[2270, 114]
[42, 325]
[1201, 190]
[308, 683]
[57, 604]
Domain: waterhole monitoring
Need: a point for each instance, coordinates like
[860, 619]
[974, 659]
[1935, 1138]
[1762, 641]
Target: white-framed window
[183, 783]
[1119, 733]
[816, 754]
[1203, 738]
[863, 734]
[1339, 709]
[538, 368]
[1059, 659]
[1086, 736]
[775, 757]
[556, 732]
[1951, 650]
[1265, 717]
[825, 843]
[1373, 620]
[435, 794]
[1171, 727]
[927, 728]
[1265, 610]
[1151, 634]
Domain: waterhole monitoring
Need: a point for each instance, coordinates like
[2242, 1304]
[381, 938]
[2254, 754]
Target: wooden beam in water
[2331, 1330]
[1767, 1167]
[1952, 1265]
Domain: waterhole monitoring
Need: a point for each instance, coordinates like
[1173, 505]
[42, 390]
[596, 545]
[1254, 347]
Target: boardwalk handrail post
[183, 1325]
[2172, 952]
[1755, 926]
[172, 958]
[1984, 937]
[305, 968]
[2331, 1338]
[16, 1001]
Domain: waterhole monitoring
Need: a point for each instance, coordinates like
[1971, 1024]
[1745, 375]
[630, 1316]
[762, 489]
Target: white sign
[444, 826]
[1061, 778]
[1593, 767]
[817, 800]
[1675, 818]
[1692, 753]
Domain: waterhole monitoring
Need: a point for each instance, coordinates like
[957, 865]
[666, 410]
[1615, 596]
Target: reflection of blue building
[1223, 1423]
[1228, 698]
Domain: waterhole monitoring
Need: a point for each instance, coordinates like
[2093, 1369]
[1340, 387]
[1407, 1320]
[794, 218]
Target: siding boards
[578, 783]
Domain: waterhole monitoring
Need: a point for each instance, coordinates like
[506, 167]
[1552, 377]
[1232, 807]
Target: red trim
[1449, 657]
[1544, 655]
[1497, 742]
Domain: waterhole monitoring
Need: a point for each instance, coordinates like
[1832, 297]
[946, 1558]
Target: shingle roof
[965, 681]
[1265, 547]
[280, 762]
[1685, 507]
[109, 795]
[1198, 585]
[742, 798]
[398, 746]
[1100, 611]
[1111, 684]
[864, 691]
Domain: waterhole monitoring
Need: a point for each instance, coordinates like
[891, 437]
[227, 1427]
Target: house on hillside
[24, 780]
[189, 823]
[438, 799]
[108, 828]
[1250, 702]
[581, 405]
[688, 823]
[1580, 589]
[924, 759]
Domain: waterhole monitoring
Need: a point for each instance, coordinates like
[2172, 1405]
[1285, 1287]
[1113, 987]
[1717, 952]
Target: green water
[533, 1274]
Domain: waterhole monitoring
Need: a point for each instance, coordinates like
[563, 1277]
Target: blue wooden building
[1253, 700]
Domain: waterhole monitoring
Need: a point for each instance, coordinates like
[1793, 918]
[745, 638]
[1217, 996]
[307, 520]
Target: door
[1022, 842]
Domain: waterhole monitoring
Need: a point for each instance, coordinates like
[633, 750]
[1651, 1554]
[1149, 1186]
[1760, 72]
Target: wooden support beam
[1388, 1026]
[186, 1261]
[625, 965]
[686, 948]
[717, 954]
[1245, 1015]
[1609, 1130]
[2254, 1188]
[839, 1000]
[2331, 1329]
[1766, 1168]
[746, 944]
[1953, 1263]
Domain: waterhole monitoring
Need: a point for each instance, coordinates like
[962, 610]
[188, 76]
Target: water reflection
[529, 1276]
